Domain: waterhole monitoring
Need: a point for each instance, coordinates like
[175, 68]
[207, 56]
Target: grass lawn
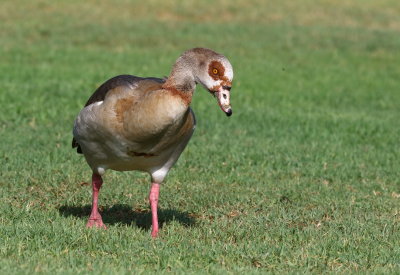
[304, 177]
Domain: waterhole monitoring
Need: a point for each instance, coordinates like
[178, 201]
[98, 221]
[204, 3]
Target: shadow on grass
[124, 214]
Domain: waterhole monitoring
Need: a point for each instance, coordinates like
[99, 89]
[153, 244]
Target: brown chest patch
[121, 106]
[137, 154]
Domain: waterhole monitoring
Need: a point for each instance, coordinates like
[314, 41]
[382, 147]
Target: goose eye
[215, 71]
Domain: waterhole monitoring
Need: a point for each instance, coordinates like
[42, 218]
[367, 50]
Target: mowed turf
[304, 177]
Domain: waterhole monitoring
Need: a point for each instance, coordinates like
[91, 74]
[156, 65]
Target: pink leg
[153, 197]
[95, 218]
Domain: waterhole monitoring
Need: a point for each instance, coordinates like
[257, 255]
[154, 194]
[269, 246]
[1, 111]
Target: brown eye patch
[216, 70]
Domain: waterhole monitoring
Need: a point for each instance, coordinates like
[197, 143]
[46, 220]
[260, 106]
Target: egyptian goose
[135, 123]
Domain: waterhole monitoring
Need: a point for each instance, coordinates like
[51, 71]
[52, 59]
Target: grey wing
[101, 93]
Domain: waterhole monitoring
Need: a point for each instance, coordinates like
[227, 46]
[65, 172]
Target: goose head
[210, 69]
[216, 76]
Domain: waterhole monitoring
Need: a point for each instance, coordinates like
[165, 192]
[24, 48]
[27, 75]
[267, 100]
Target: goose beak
[223, 98]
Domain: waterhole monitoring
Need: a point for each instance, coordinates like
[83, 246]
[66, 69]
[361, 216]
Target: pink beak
[223, 97]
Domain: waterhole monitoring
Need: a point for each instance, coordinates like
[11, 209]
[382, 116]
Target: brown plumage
[112, 83]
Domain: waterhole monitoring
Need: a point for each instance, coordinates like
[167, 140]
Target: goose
[144, 123]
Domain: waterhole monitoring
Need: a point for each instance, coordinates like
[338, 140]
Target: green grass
[303, 178]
